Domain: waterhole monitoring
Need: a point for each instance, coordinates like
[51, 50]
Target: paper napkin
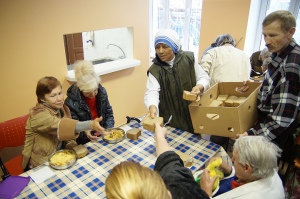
[41, 175]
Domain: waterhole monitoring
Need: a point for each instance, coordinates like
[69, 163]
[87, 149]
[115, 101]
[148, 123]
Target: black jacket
[80, 110]
[178, 179]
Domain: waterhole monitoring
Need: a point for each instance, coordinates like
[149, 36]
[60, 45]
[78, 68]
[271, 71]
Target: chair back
[12, 132]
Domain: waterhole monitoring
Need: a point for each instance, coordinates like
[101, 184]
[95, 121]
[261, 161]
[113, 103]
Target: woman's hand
[95, 125]
[197, 91]
[223, 166]
[207, 183]
[90, 136]
[152, 111]
[160, 132]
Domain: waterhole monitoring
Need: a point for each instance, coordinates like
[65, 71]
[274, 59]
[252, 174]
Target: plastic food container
[12, 186]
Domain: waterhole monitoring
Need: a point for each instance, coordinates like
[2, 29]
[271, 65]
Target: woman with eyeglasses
[87, 99]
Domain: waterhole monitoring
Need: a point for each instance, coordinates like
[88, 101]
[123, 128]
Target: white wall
[122, 37]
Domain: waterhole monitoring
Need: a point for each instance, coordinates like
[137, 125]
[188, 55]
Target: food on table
[186, 158]
[62, 158]
[114, 134]
[81, 151]
[133, 134]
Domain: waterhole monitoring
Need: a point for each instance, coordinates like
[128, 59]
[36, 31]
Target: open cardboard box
[225, 121]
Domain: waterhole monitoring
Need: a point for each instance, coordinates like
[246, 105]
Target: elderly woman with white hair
[173, 71]
[253, 174]
[87, 99]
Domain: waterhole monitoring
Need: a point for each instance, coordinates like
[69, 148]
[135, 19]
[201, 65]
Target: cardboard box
[225, 121]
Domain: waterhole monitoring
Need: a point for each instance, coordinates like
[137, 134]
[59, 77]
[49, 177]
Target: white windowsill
[108, 67]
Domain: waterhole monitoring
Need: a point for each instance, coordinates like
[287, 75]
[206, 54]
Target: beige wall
[31, 39]
[221, 17]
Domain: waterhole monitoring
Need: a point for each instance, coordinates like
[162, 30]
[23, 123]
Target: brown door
[73, 47]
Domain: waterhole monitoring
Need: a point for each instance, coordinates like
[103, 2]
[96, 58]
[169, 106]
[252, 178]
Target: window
[183, 16]
[273, 5]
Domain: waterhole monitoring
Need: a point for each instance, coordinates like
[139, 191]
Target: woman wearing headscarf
[87, 99]
[226, 63]
[173, 71]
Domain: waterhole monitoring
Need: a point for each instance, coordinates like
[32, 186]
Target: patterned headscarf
[168, 37]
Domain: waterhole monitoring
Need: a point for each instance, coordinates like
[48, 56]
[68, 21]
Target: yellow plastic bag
[214, 170]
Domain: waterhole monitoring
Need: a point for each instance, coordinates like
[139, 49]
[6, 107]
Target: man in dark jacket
[88, 99]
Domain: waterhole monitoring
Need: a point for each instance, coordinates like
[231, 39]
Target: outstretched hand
[152, 111]
[160, 131]
[207, 183]
[95, 125]
[90, 136]
[197, 91]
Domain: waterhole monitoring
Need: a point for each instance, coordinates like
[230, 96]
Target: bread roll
[230, 100]
[216, 103]
[133, 134]
[239, 101]
[222, 97]
[186, 159]
[81, 151]
[189, 96]
[149, 123]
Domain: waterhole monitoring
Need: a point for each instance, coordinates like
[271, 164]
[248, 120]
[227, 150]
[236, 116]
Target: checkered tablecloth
[86, 178]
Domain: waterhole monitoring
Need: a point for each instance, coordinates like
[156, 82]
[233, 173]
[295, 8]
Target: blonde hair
[133, 181]
[87, 79]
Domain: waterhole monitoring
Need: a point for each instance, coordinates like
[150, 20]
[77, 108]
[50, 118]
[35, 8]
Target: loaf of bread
[189, 96]
[186, 159]
[239, 101]
[230, 100]
[149, 123]
[216, 103]
[222, 97]
[133, 134]
[81, 151]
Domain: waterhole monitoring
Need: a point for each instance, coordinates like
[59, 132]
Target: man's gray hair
[260, 153]
[87, 79]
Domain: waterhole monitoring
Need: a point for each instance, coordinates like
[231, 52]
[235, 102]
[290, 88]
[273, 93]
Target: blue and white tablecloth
[86, 178]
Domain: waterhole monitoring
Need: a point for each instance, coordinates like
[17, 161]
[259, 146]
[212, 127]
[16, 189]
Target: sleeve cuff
[66, 129]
